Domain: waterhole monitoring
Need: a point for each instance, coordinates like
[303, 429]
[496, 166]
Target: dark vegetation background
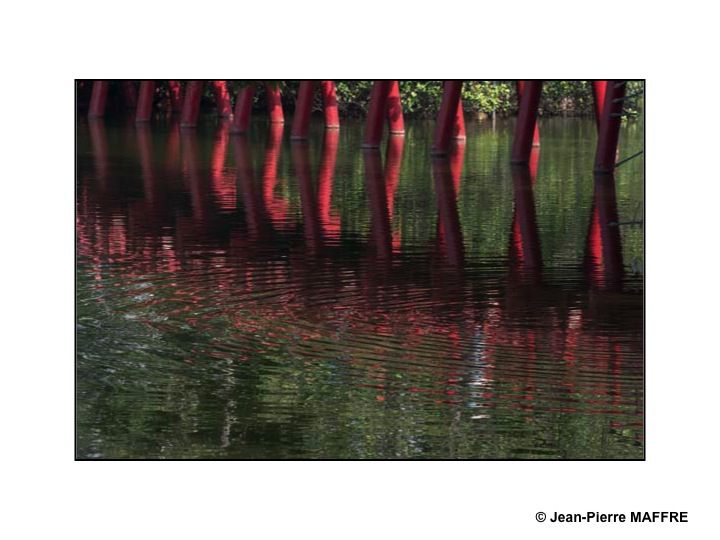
[419, 98]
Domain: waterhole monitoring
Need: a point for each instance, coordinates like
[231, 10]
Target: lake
[248, 297]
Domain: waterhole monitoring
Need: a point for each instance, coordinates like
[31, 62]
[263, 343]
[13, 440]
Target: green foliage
[422, 98]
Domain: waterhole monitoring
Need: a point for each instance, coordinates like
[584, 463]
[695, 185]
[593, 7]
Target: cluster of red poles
[385, 103]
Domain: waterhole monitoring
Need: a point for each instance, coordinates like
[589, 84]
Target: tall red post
[446, 117]
[274, 104]
[610, 121]
[526, 121]
[376, 114]
[330, 105]
[519, 85]
[175, 95]
[394, 110]
[243, 110]
[599, 88]
[303, 111]
[222, 99]
[129, 94]
[145, 101]
[191, 104]
[459, 127]
[98, 99]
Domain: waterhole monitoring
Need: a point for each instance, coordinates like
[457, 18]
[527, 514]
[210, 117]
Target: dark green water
[251, 298]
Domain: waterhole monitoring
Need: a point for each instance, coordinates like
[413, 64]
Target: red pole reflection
[252, 201]
[224, 187]
[525, 244]
[330, 224]
[375, 182]
[145, 151]
[308, 201]
[276, 207]
[449, 219]
[198, 192]
[98, 141]
[173, 146]
[604, 245]
[393, 164]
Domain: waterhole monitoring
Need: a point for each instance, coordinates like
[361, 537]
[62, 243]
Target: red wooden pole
[376, 114]
[609, 133]
[599, 89]
[330, 105]
[303, 111]
[145, 101]
[519, 85]
[222, 99]
[526, 121]
[175, 96]
[446, 117]
[459, 127]
[98, 99]
[394, 110]
[243, 110]
[274, 104]
[129, 94]
[191, 104]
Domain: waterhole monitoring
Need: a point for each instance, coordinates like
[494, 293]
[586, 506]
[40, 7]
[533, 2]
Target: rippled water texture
[245, 297]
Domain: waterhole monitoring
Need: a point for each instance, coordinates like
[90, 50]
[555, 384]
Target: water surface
[245, 297]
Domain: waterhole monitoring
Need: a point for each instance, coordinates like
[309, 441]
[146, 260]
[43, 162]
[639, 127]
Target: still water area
[252, 297]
